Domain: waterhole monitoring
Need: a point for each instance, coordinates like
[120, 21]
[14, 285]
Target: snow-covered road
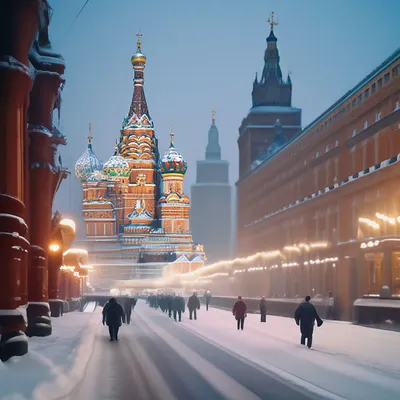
[157, 358]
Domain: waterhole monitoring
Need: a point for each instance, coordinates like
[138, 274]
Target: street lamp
[54, 247]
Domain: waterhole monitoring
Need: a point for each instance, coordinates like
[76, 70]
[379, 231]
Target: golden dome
[138, 59]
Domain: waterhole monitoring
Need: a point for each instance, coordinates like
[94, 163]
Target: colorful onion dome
[172, 161]
[138, 59]
[87, 163]
[117, 165]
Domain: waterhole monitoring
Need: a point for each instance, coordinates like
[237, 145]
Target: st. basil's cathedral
[135, 212]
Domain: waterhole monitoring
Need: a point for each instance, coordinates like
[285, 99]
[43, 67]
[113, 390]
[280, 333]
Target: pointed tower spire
[139, 104]
[271, 88]
[213, 149]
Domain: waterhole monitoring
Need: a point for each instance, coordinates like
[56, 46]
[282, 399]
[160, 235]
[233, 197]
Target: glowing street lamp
[54, 247]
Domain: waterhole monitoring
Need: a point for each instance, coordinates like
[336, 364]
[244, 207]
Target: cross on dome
[171, 139]
[139, 41]
[213, 114]
[271, 21]
[90, 137]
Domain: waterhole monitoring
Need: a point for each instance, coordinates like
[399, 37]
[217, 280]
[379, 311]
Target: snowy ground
[157, 358]
[54, 364]
[351, 361]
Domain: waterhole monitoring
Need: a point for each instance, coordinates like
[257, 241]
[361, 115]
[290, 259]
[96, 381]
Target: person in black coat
[127, 305]
[169, 302]
[263, 309]
[113, 314]
[305, 316]
[178, 306]
[193, 305]
[207, 296]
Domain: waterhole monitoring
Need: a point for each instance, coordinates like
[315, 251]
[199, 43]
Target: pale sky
[204, 54]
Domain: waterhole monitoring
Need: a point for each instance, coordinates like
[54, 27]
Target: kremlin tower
[134, 208]
[211, 218]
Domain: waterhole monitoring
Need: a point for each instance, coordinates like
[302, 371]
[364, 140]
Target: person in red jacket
[239, 311]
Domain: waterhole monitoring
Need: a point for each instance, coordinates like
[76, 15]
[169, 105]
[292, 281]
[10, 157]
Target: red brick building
[327, 199]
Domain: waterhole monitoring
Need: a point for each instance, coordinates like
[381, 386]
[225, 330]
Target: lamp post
[55, 261]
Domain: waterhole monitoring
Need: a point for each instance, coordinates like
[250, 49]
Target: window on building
[397, 106]
[365, 124]
[377, 116]
[396, 70]
[354, 132]
[353, 103]
[366, 94]
[386, 78]
[373, 88]
[379, 83]
[327, 148]
[348, 107]
[359, 99]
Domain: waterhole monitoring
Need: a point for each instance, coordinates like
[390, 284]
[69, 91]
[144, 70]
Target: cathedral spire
[139, 104]
[213, 149]
[90, 137]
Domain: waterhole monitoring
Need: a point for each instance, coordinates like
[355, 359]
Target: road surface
[155, 358]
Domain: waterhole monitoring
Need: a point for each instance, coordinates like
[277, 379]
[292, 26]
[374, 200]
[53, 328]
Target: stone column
[43, 174]
[18, 24]
[55, 261]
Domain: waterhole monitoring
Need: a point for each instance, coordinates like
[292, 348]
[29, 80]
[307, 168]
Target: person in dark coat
[239, 311]
[193, 305]
[263, 309]
[113, 314]
[207, 296]
[170, 300]
[305, 316]
[178, 306]
[127, 304]
[134, 301]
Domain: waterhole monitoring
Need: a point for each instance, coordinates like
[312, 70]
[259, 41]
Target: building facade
[272, 120]
[328, 200]
[135, 211]
[211, 196]
[31, 82]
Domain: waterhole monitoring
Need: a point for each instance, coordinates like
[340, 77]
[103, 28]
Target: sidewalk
[54, 364]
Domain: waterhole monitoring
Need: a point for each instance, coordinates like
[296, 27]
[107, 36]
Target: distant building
[135, 211]
[210, 216]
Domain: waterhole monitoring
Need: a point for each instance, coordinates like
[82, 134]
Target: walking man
[263, 309]
[178, 306]
[207, 296]
[239, 311]
[193, 305]
[113, 314]
[305, 316]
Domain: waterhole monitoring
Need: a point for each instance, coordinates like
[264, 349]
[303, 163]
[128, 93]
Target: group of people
[174, 305]
[305, 316]
[115, 313]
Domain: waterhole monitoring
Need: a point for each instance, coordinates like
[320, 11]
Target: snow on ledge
[12, 64]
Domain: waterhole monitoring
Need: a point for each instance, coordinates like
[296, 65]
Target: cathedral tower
[271, 106]
[134, 208]
[211, 200]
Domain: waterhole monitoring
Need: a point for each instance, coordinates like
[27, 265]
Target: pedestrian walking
[207, 296]
[113, 314]
[127, 304]
[170, 300]
[178, 307]
[330, 313]
[305, 316]
[193, 305]
[239, 311]
[263, 309]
